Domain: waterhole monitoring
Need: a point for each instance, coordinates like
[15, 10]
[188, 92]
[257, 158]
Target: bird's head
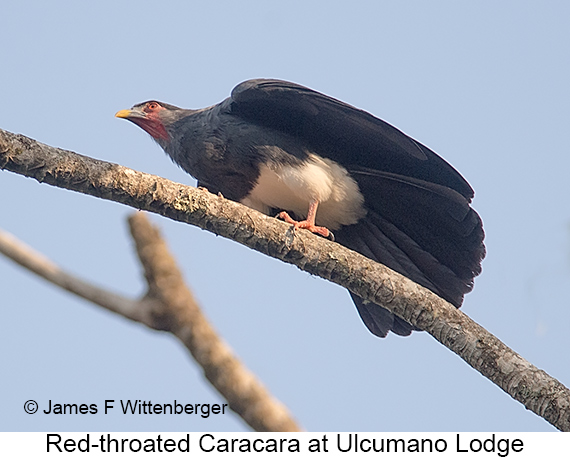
[153, 117]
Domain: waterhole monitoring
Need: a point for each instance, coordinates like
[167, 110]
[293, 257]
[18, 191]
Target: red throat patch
[153, 126]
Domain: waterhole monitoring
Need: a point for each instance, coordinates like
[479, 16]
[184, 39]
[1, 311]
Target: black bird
[276, 146]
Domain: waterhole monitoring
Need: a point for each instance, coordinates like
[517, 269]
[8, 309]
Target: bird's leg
[309, 223]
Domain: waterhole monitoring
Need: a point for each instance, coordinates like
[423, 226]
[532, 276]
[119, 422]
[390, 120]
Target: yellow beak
[124, 113]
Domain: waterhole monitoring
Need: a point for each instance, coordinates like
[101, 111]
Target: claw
[307, 225]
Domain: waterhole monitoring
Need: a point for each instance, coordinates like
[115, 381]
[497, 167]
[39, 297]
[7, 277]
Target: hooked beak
[133, 113]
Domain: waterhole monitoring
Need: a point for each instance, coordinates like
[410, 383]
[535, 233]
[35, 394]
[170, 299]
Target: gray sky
[484, 84]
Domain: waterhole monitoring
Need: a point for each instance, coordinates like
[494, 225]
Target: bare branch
[169, 306]
[182, 316]
[534, 388]
[20, 253]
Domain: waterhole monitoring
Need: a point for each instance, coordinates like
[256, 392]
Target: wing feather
[419, 221]
[341, 132]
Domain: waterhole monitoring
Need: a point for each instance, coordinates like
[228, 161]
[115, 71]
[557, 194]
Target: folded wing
[418, 223]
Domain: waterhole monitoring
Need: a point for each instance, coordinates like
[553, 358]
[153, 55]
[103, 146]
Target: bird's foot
[307, 225]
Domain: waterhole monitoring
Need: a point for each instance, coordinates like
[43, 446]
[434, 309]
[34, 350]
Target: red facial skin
[151, 123]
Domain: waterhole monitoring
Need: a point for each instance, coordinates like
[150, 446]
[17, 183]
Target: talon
[283, 215]
[307, 225]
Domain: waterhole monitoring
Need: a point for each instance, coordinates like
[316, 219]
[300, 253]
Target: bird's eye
[152, 105]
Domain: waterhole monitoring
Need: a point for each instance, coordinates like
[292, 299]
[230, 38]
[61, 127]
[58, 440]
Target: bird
[338, 171]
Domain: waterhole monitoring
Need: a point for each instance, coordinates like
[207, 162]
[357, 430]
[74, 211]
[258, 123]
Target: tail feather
[425, 231]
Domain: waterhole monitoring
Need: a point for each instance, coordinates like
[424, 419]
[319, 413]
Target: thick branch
[533, 387]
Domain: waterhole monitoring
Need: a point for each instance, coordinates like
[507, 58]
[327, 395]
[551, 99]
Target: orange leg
[309, 223]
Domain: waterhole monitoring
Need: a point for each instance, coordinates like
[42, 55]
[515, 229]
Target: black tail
[422, 230]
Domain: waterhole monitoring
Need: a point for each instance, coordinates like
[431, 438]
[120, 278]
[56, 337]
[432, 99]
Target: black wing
[348, 135]
[419, 221]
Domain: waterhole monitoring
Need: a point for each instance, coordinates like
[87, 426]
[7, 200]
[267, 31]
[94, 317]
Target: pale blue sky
[484, 84]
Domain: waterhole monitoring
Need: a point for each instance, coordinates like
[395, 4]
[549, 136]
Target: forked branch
[169, 305]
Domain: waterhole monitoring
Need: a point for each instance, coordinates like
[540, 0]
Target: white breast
[293, 187]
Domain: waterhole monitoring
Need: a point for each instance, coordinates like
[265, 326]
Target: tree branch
[181, 315]
[170, 306]
[539, 392]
